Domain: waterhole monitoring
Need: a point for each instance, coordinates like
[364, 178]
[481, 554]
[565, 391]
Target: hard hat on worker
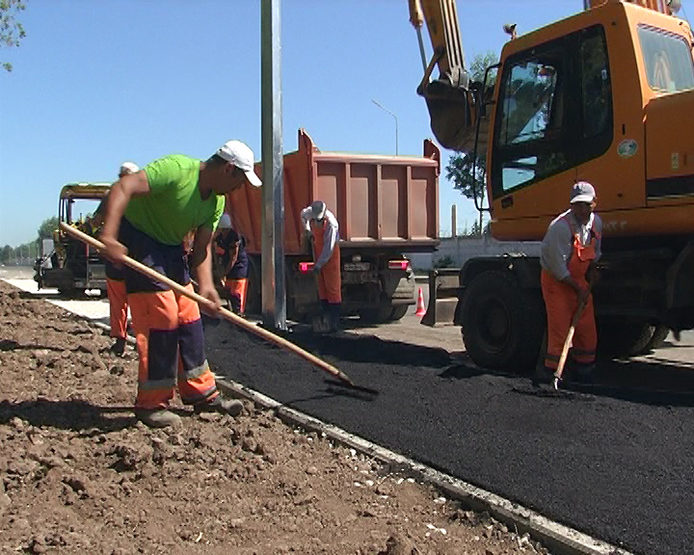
[224, 222]
[128, 168]
[241, 156]
[318, 209]
[582, 191]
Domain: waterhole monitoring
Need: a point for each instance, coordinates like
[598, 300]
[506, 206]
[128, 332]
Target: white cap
[582, 191]
[128, 167]
[241, 156]
[224, 222]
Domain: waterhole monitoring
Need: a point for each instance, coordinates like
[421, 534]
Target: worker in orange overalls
[148, 215]
[570, 249]
[323, 228]
[232, 262]
[115, 289]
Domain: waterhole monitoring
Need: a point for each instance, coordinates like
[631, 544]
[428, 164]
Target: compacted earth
[78, 474]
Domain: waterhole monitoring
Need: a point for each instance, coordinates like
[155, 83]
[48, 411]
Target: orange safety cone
[421, 310]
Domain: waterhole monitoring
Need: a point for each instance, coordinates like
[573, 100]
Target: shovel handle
[567, 342]
[226, 314]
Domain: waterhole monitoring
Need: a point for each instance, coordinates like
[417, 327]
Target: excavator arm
[453, 101]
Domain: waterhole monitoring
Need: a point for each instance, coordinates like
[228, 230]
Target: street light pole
[394, 117]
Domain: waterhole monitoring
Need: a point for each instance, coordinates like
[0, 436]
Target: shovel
[567, 342]
[209, 305]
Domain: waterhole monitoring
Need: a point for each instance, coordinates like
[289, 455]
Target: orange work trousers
[118, 307]
[329, 278]
[170, 345]
[237, 289]
[561, 303]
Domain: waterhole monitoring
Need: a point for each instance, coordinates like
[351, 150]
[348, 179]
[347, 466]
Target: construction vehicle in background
[386, 206]
[605, 96]
[66, 263]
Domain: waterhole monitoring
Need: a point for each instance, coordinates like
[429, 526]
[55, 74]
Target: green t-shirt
[174, 206]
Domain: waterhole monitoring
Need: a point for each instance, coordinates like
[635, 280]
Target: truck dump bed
[379, 201]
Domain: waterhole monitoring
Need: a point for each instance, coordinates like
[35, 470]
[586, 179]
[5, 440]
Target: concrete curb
[555, 536]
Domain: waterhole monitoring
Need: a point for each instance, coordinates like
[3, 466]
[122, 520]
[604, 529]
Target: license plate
[356, 266]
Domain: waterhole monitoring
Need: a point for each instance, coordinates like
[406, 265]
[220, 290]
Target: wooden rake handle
[226, 314]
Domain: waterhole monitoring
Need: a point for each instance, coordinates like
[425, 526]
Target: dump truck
[605, 96]
[66, 263]
[386, 207]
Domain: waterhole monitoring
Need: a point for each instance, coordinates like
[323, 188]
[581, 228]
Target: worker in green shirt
[148, 215]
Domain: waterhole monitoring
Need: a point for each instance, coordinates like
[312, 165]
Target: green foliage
[47, 228]
[479, 65]
[443, 262]
[11, 30]
[5, 254]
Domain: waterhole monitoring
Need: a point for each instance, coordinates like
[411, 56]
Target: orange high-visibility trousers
[237, 289]
[561, 302]
[118, 307]
[329, 277]
[169, 336]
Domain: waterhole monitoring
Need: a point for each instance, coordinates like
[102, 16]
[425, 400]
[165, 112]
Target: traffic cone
[421, 310]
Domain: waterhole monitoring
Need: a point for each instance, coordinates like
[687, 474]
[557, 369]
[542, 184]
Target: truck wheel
[628, 339]
[398, 312]
[379, 315]
[502, 324]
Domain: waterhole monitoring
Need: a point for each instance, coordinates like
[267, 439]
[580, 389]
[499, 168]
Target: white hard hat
[224, 222]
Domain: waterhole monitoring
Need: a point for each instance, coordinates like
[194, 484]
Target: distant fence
[461, 249]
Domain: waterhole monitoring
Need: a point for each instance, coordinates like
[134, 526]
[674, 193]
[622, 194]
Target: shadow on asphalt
[369, 348]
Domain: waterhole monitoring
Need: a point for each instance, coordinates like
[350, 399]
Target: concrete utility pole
[274, 303]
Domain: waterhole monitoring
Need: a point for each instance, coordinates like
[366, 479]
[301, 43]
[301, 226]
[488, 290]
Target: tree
[47, 228]
[5, 254]
[469, 181]
[11, 30]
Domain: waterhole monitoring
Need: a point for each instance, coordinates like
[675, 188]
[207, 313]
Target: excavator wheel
[502, 324]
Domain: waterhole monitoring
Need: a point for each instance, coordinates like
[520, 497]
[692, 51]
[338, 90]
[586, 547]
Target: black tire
[623, 339]
[659, 336]
[502, 324]
[398, 312]
[379, 315]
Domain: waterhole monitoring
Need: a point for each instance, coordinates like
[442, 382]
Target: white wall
[460, 249]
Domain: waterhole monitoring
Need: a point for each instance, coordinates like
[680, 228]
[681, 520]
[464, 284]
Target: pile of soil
[79, 474]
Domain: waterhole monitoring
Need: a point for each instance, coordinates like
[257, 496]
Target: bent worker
[147, 217]
[115, 288]
[323, 227]
[570, 249]
[230, 248]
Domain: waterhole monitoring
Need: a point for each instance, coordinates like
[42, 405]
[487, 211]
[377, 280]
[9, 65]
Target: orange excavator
[605, 96]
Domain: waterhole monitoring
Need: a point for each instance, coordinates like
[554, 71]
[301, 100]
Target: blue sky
[97, 82]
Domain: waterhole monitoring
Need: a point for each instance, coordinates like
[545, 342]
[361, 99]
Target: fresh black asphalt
[615, 461]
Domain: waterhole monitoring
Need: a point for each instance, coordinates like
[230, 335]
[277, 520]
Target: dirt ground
[79, 474]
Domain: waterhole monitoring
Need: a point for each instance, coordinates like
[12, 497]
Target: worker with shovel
[322, 226]
[231, 264]
[570, 249]
[147, 217]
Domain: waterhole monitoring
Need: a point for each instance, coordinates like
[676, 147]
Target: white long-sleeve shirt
[557, 244]
[330, 236]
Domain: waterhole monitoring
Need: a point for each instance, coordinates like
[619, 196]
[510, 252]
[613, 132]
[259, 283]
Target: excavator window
[554, 110]
[668, 60]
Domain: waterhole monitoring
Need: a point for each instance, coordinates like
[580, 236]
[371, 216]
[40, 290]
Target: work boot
[157, 418]
[118, 347]
[232, 407]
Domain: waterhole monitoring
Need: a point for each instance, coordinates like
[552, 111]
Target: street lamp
[394, 117]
